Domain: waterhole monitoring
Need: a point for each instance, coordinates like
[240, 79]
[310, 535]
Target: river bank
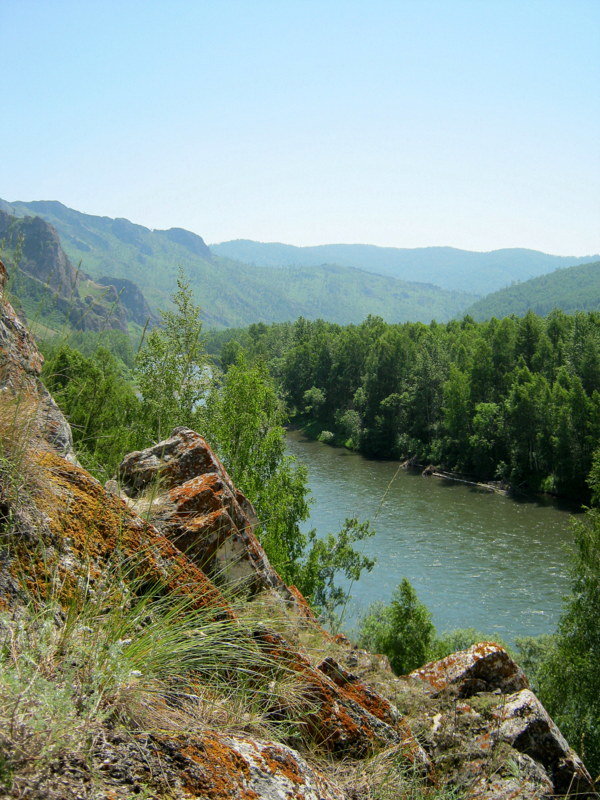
[313, 431]
[476, 558]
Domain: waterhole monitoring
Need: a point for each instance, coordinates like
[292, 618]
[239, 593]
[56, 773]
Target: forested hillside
[570, 289]
[54, 295]
[515, 400]
[448, 267]
[232, 293]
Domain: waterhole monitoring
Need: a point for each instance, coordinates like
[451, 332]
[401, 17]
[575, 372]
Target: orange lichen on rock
[334, 718]
[214, 766]
[89, 525]
[360, 692]
[483, 667]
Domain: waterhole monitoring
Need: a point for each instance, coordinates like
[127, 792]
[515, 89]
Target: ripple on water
[476, 559]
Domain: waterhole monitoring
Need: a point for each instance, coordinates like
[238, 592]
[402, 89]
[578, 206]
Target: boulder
[227, 767]
[484, 667]
[197, 506]
[524, 723]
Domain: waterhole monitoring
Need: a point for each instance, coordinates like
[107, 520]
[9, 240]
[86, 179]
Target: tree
[99, 403]
[326, 559]
[243, 420]
[402, 630]
[171, 369]
[569, 678]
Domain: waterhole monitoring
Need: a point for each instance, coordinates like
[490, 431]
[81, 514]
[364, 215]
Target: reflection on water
[476, 559]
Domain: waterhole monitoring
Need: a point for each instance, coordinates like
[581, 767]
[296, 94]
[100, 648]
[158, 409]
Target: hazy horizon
[310, 244]
[399, 124]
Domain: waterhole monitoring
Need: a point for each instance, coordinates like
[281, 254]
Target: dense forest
[511, 400]
[570, 289]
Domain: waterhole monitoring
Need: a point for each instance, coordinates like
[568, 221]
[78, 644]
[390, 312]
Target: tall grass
[125, 652]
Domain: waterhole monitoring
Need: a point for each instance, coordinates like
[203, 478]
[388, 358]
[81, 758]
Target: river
[476, 559]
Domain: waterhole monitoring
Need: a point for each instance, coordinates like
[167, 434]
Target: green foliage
[532, 652]
[171, 367]
[402, 630]
[100, 404]
[244, 420]
[568, 677]
[118, 343]
[569, 288]
[509, 399]
[326, 559]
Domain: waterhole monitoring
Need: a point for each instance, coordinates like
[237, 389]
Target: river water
[476, 559]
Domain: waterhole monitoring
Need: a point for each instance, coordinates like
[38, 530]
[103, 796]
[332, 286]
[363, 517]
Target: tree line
[515, 400]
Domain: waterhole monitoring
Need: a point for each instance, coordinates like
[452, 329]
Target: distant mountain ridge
[233, 293]
[447, 267]
[570, 289]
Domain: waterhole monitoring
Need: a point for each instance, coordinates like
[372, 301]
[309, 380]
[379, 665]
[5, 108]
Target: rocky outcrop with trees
[150, 649]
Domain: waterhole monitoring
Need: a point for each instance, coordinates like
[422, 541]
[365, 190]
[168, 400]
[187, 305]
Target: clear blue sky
[472, 123]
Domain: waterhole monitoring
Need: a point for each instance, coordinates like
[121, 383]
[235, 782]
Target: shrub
[402, 630]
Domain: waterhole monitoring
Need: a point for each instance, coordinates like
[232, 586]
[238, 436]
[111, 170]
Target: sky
[406, 123]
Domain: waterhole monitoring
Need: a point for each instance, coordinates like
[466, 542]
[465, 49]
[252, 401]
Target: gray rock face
[41, 253]
[197, 506]
[525, 724]
[20, 384]
[131, 297]
[482, 668]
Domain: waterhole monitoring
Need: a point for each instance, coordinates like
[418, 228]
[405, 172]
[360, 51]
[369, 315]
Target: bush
[326, 437]
[569, 677]
[402, 630]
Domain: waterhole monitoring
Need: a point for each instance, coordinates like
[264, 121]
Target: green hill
[49, 291]
[230, 292]
[570, 289]
[448, 267]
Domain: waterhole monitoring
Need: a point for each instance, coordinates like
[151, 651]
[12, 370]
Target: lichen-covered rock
[482, 668]
[219, 767]
[524, 723]
[20, 384]
[334, 717]
[363, 694]
[79, 527]
[197, 506]
[169, 463]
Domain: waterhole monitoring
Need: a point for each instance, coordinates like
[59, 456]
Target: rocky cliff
[283, 710]
[48, 286]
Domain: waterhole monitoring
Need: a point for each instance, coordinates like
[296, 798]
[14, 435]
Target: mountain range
[240, 282]
[230, 292]
[447, 267]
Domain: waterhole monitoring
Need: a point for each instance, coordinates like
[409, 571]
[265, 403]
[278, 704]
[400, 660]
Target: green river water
[477, 559]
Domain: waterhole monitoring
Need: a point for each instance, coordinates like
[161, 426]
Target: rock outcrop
[348, 728]
[130, 296]
[484, 667]
[188, 494]
[47, 281]
[21, 387]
